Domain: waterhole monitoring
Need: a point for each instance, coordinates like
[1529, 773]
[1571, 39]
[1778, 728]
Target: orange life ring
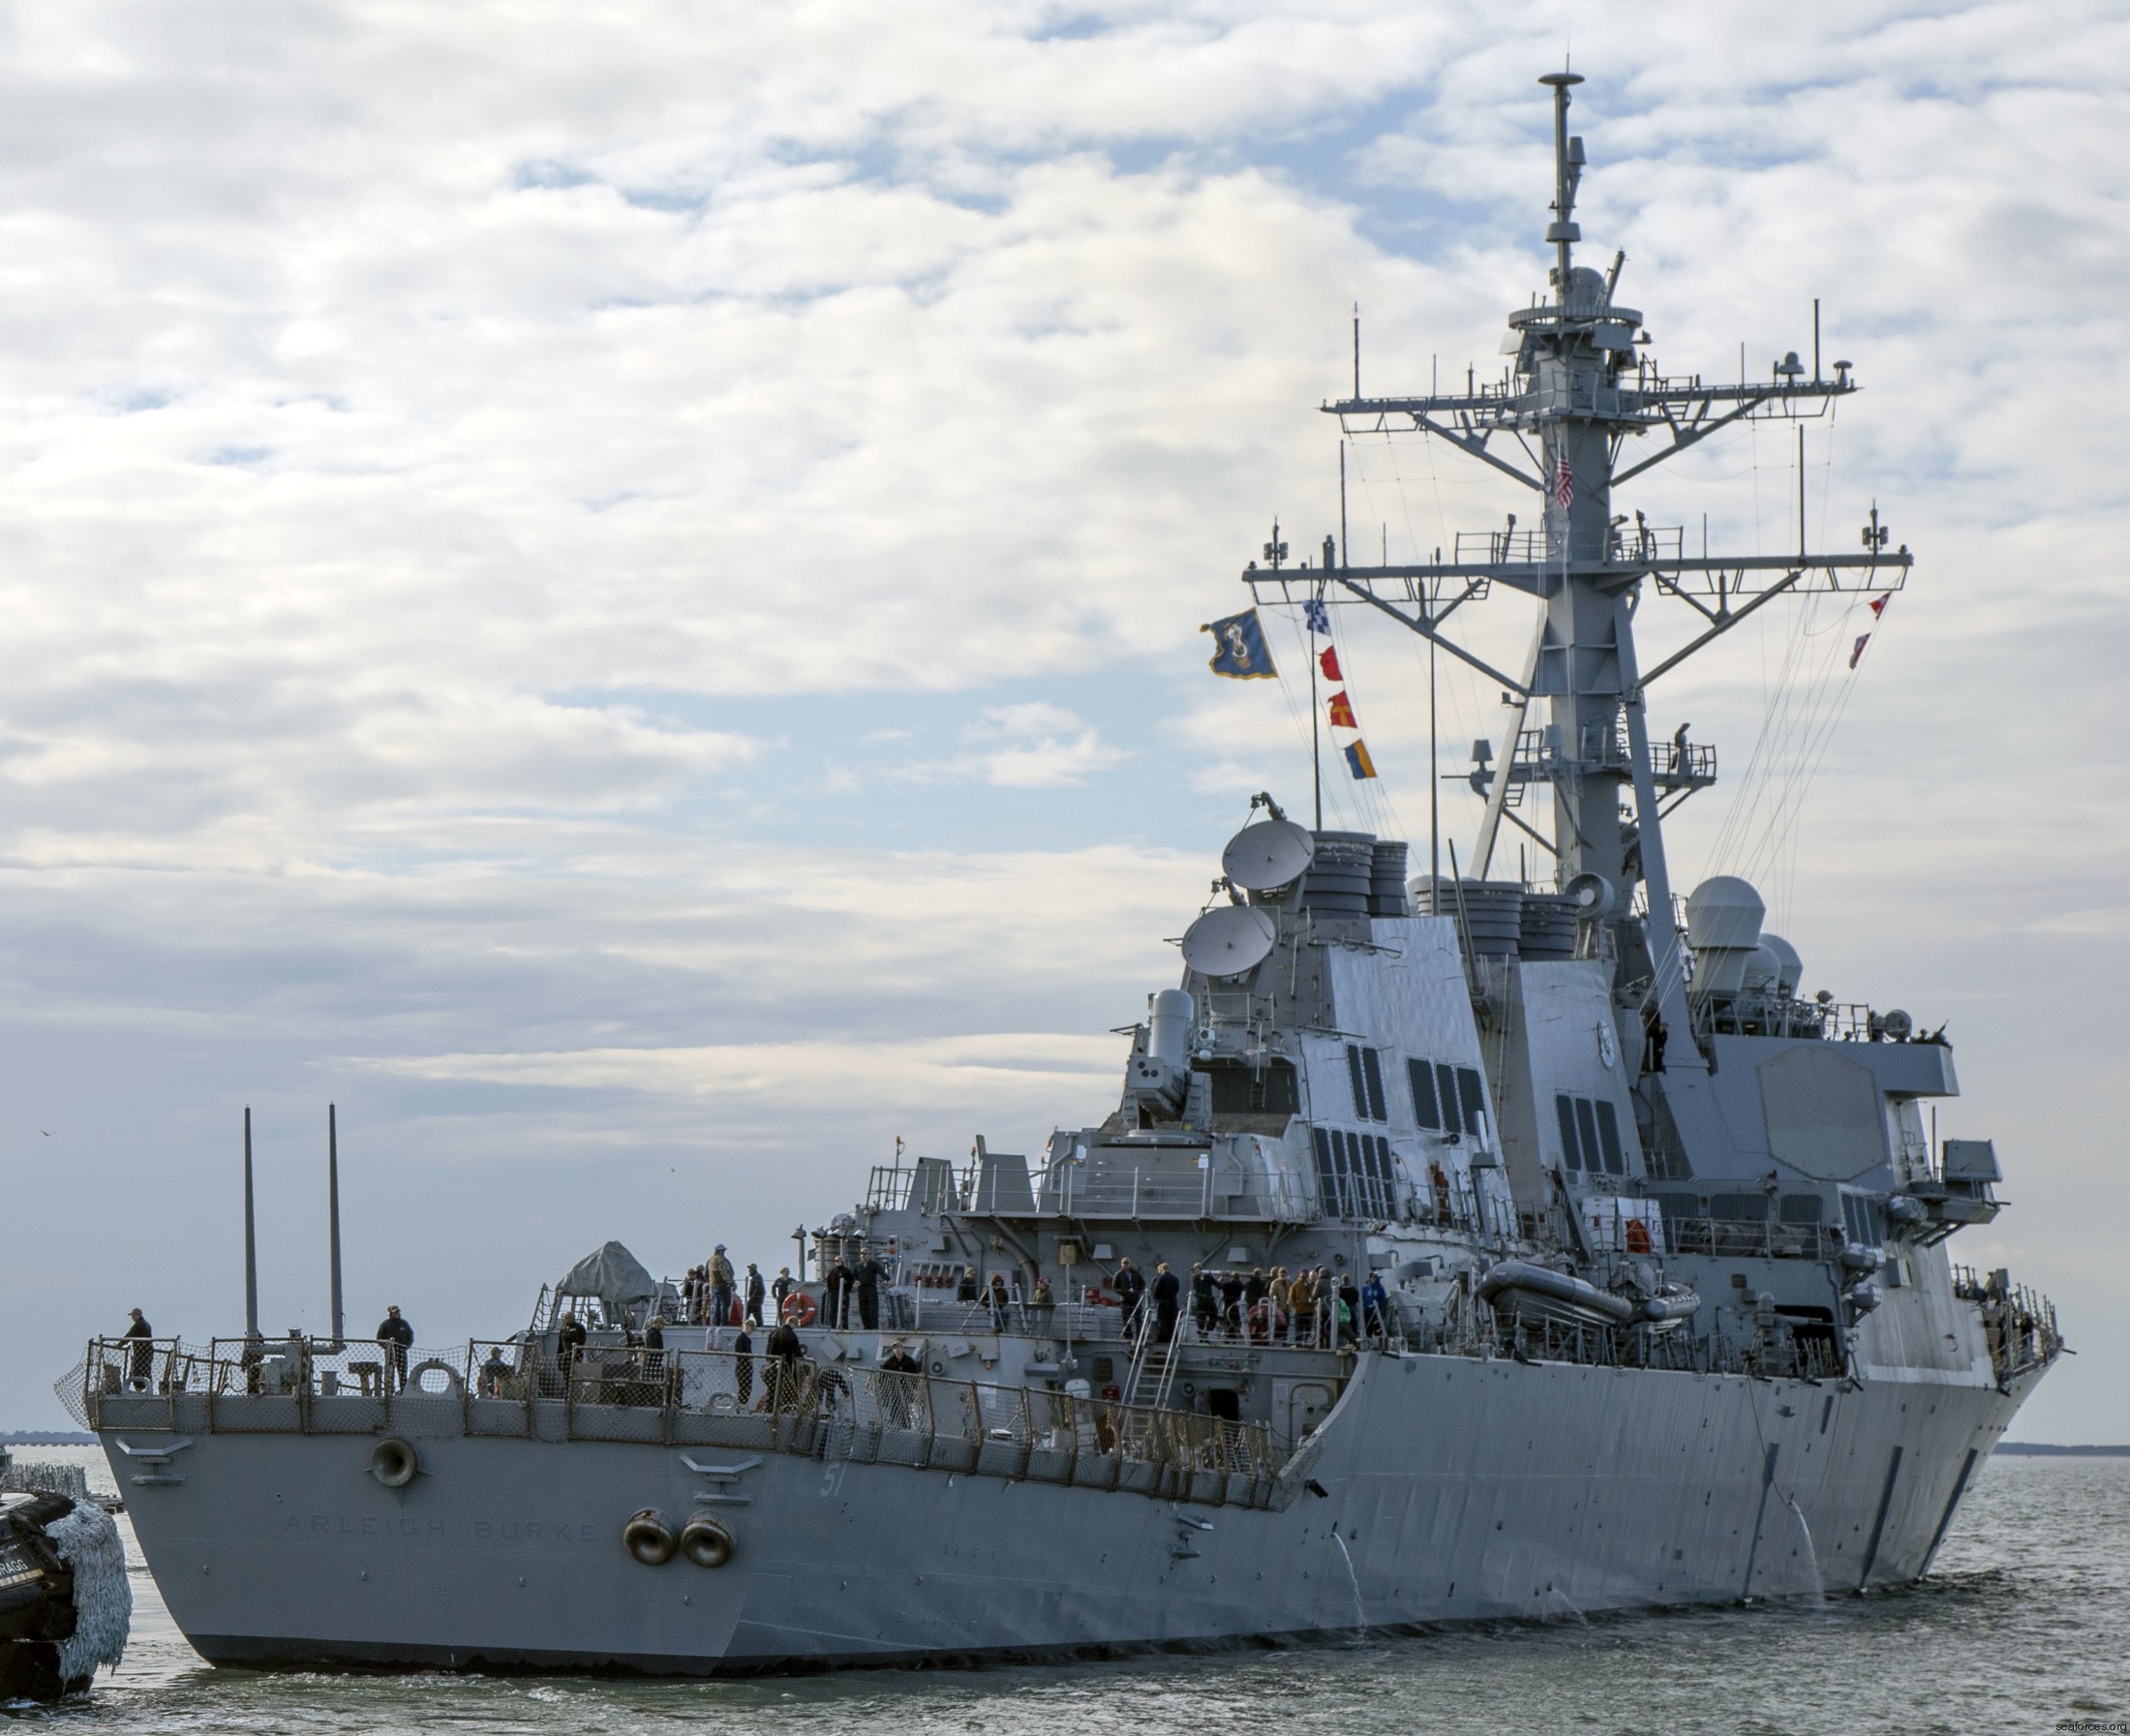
[1265, 1319]
[1637, 1236]
[797, 1309]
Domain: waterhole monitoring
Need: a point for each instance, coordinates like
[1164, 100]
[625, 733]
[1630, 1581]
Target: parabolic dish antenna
[1271, 853]
[1228, 940]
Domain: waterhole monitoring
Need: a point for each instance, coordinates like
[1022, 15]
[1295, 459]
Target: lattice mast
[1581, 385]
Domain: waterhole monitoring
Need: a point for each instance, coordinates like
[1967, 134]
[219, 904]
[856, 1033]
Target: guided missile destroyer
[1532, 1248]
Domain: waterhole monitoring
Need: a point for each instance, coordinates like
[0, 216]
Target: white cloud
[759, 1081]
[1033, 745]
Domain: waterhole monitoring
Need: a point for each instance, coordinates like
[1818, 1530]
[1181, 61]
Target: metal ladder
[1155, 1359]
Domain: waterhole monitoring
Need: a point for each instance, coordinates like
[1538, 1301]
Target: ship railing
[1139, 1193]
[1782, 1352]
[1134, 1193]
[1757, 1013]
[120, 1366]
[1082, 1322]
[817, 1409]
[2018, 1323]
[290, 1383]
[1750, 1238]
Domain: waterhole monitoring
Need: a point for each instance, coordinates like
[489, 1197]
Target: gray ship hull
[1442, 1489]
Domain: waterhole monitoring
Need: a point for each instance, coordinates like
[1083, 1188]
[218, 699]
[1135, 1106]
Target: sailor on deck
[1205, 1304]
[780, 1373]
[899, 1372]
[720, 1288]
[141, 1360]
[1130, 1291]
[866, 1281]
[1167, 1290]
[397, 1336]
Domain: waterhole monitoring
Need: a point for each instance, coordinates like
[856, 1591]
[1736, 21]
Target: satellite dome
[1790, 968]
[1763, 969]
[1724, 911]
[1586, 288]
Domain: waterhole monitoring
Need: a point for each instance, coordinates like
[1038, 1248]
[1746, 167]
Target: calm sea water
[2025, 1626]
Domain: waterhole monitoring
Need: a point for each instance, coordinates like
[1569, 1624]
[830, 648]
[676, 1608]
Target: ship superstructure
[1626, 1273]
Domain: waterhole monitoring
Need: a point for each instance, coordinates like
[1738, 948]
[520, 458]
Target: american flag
[1563, 485]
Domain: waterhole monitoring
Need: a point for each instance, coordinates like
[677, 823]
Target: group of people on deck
[1309, 1306]
[713, 1295]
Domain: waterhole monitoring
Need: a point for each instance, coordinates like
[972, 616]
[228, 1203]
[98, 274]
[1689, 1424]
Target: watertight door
[1308, 1403]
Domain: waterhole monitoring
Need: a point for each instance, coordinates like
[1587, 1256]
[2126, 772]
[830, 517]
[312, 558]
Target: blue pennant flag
[1241, 653]
[1317, 616]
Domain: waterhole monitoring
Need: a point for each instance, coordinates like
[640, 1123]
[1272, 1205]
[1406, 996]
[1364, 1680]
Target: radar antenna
[1582, 385]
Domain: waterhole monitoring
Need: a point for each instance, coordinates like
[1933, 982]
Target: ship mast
[1582, 385]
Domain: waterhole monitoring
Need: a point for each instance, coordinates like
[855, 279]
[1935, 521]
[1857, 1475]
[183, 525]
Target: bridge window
[1586, 1124]
[1375, 1168]
[1865, 1219]
[1328, 1182]
[1379, 1107]
[1570, 1152]
[1424, 1112]
[1355, 1173]
[1364, 1071]
[1590, 1135]
[1472, 1095]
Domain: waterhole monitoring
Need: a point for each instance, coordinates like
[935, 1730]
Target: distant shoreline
[46, 1437]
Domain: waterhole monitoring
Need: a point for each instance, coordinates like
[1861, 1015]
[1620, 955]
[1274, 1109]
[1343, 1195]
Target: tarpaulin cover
[613, 1274]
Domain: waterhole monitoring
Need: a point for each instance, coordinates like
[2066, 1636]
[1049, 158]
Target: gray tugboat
[1664, 1316]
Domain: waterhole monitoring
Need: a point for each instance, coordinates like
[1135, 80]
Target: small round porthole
[938, 1367]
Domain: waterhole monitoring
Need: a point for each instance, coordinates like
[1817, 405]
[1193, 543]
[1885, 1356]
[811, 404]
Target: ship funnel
[1723, 917]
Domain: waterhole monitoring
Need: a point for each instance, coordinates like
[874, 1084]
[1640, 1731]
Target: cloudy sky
[617, 592]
